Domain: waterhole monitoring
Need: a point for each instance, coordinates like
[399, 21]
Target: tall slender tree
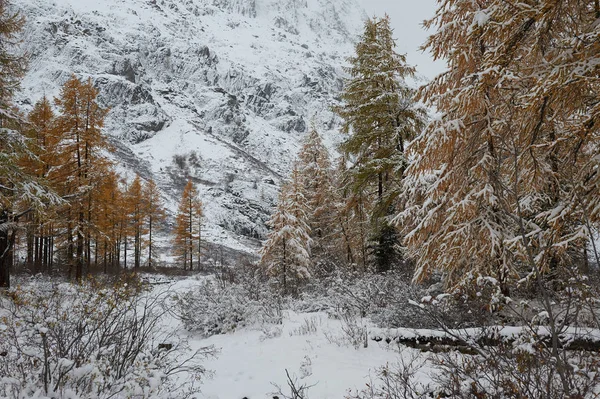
[20, 191]
[80, 122]
[315, 173]
[188, 227]
[380, 115]
[286, 254]
[155, 214]
[136, 218]
[43, 142]
[110, 216]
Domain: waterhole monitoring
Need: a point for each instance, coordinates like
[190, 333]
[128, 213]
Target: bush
[548, 352]
[214, 308]
[398, 381]
[86, 341]
[382, 298]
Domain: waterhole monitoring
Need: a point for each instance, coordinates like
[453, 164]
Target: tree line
[331, 216]
[59, 190]
[502, 184]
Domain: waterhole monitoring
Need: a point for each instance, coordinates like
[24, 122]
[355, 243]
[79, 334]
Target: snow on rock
[229, 87]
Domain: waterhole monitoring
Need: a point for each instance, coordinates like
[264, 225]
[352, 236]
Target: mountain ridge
[221, 91]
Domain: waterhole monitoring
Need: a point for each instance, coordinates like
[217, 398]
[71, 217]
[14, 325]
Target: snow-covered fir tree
[286, 253]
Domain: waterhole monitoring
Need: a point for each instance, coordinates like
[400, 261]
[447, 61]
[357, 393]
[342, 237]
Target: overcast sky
[407, 17]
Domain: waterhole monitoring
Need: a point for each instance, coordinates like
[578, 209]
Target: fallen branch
[467, 341]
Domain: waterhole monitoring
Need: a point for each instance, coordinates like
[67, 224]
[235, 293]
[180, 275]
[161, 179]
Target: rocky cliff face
[222, 91]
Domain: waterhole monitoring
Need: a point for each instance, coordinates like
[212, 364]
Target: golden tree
[110, 217]
[12, 63]
[314, 171]
[136, 218]
[44, 145]
[155, 214]
[352, 220]
[188, 224]
[507, 176]
[83, 162]
[20, 191]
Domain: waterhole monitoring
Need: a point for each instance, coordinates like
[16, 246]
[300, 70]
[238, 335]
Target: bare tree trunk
[80, 248]
[150, 242]
[6, 253]
[285, 290]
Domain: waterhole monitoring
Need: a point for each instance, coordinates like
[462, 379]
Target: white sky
[406, 17]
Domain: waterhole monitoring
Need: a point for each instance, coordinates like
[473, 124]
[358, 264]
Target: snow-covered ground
[250, 362]
[310, 346]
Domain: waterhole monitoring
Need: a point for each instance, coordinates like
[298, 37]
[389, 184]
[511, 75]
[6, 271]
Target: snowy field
[203, 337]
[311, 346]
[250, 362]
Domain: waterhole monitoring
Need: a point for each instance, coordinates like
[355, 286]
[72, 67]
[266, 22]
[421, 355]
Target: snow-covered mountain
[219, 90]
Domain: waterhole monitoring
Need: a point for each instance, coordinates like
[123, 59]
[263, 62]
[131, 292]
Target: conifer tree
[11, 62]
[381, 116]
[20, 191]
[286, 253]
[83, 163]
[352, 210]
[136, 218]
[155, 214]
[507, 182]
[109, 211]
[314, 168]
[188, 225]
[43, 143]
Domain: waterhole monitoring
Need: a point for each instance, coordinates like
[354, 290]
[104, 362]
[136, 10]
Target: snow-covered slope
[222, 91]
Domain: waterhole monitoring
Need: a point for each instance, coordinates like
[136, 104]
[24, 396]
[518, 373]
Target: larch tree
[43, 142]
[286, 253]
[188, 238]
[314, 168]
[110, 214]
[155, 214]
[20, 191]
[380, 115]
[506, 183]
[136, 218]
[352, 211]
[84, 162]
